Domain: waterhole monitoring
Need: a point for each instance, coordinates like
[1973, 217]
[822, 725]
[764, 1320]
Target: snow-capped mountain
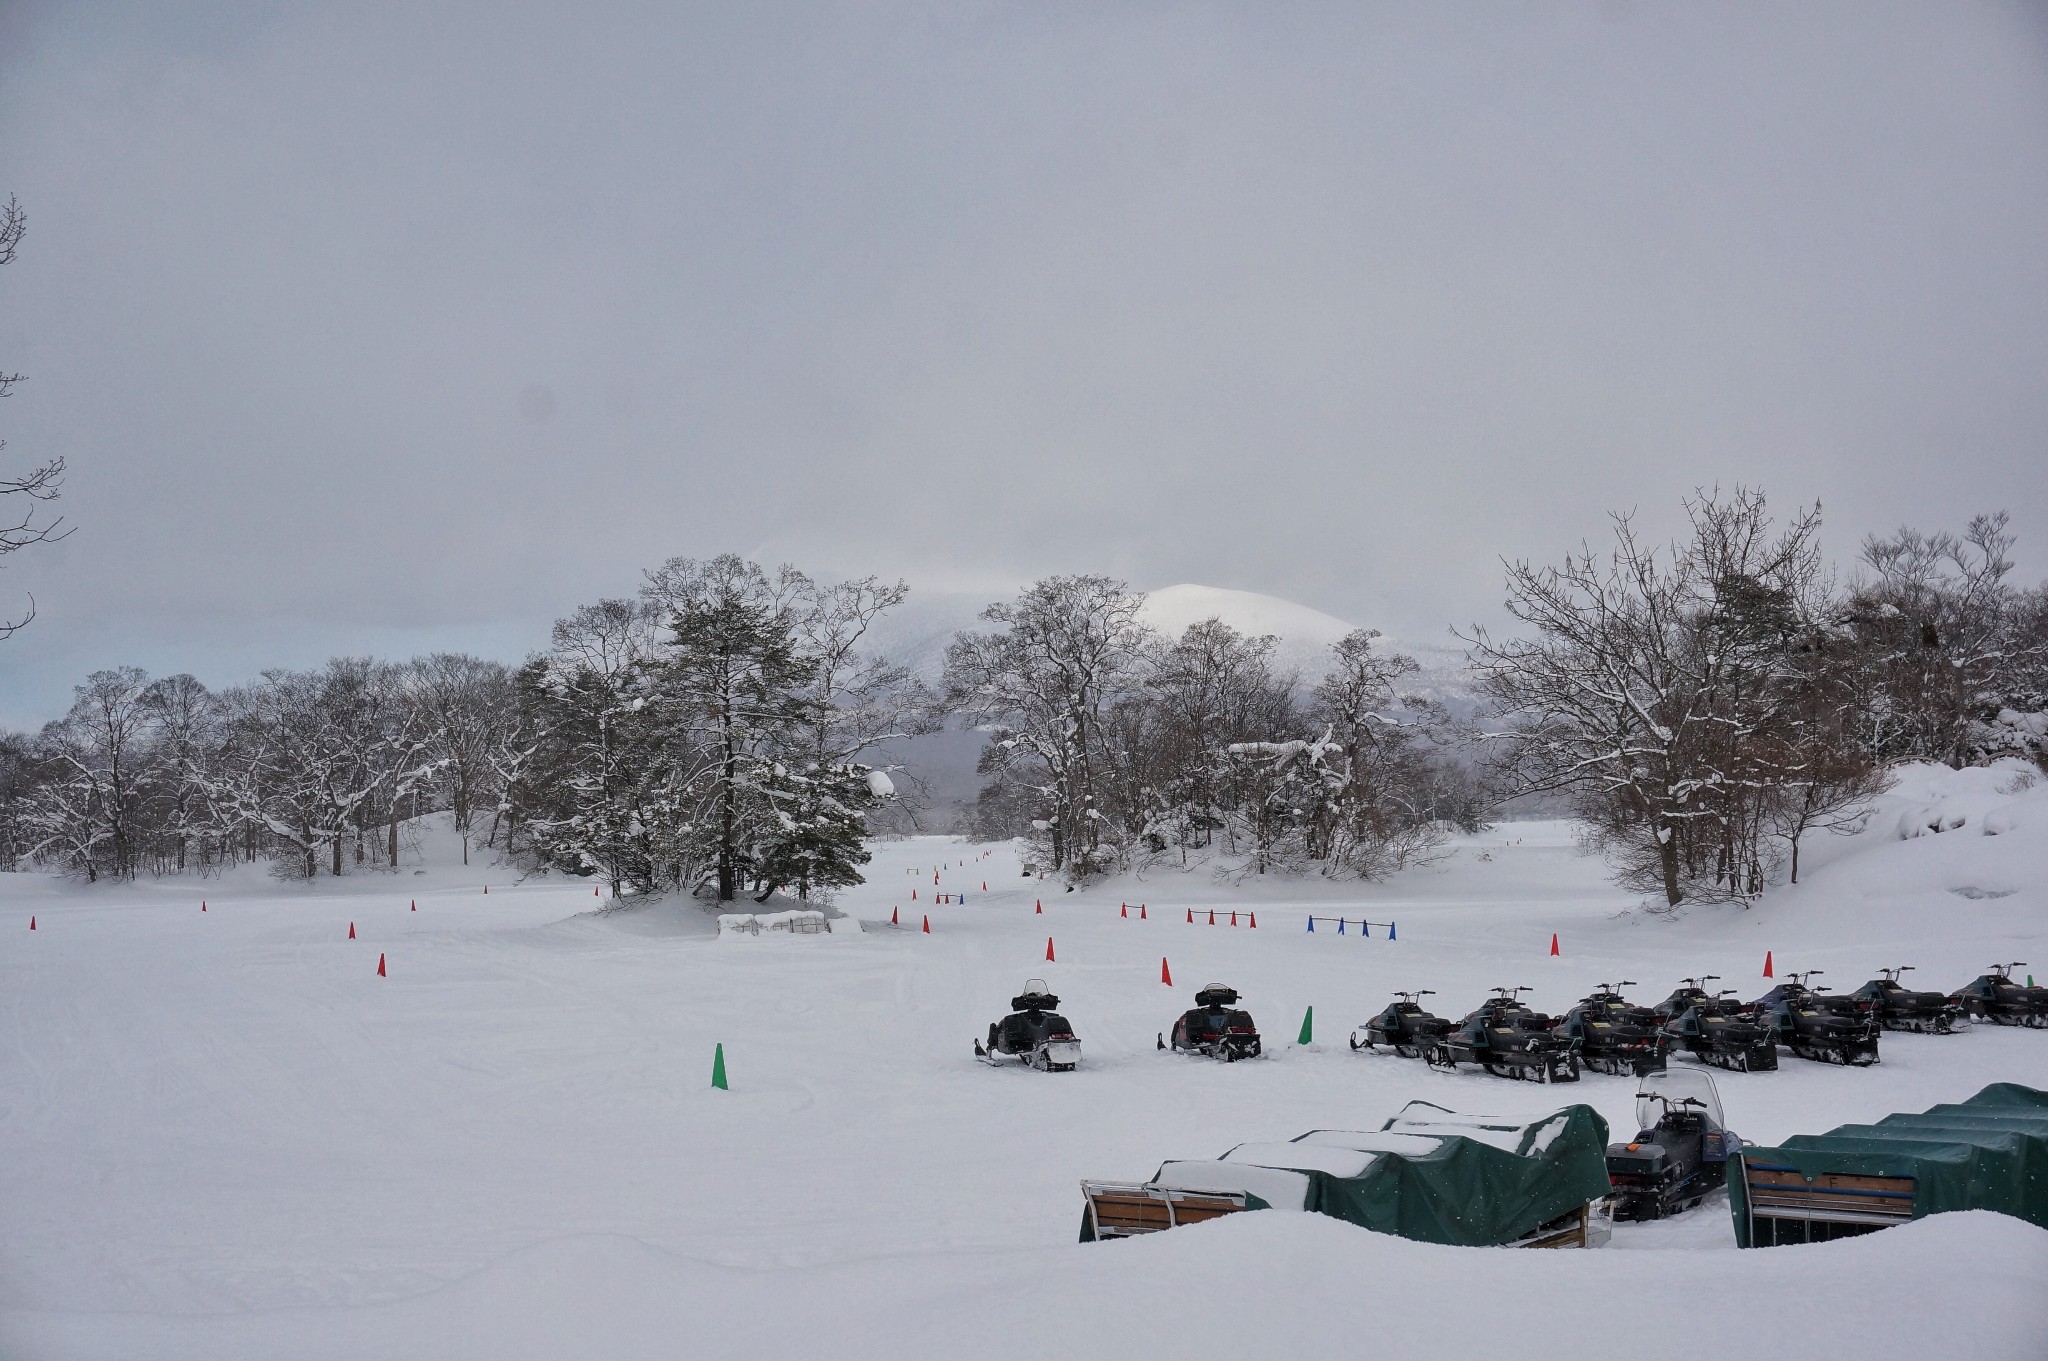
[1305, 634]
[918, 632]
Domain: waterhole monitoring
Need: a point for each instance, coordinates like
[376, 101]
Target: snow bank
[1292, 1288]
[1939, 800]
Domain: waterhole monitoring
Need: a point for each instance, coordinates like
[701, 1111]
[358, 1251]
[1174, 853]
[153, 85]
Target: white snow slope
[223, 1136]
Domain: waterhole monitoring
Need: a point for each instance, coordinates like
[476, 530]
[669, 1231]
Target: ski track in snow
[226, 1137]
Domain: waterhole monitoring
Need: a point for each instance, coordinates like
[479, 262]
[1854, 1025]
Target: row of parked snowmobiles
[1609, 1034]
[1604, 1031]
[1036, 1034]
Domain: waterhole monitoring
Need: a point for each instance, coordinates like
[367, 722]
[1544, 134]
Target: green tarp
[1428, 1174]
[1987, 1153]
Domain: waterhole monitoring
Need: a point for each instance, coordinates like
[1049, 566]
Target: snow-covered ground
[222, 1135]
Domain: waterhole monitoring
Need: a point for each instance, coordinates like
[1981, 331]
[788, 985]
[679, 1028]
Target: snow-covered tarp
[1428, 1173]
[797, 922]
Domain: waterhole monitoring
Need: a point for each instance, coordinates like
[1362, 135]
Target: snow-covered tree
[1211, 687]
[1944, 639]
[87, 809]
[463, 704]
[593, 745]
[1669, 692]
[813, 836]
[1043, 682]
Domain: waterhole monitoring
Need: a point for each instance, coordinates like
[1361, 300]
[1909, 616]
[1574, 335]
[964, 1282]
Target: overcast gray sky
[403, 327]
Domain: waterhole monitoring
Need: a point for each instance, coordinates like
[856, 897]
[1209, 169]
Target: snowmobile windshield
[1673, 1086]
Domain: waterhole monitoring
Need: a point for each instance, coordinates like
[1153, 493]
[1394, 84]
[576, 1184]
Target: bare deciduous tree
[22, 497]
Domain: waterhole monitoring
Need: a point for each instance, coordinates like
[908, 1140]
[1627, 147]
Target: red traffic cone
[487, 890]
[1048, 951]
[1124, 911]
[927, 924]
[1553, 944]
[1165, 974]
[1191, 916]
[380, 967]
[1141, 912]
[1767, 965]
[913, 895]
[415, 904]
[202, 904]
[31, 923]
[1038, 907]
[593, 892]
[984, 886]
[1233, 918]
[1212, 916]
[1255, 920]
[892, 918]
[351, 930]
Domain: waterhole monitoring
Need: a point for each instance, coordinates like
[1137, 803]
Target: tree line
[1703, 706]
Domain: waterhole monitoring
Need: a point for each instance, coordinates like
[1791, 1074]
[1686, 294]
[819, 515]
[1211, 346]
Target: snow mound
[1991, 799]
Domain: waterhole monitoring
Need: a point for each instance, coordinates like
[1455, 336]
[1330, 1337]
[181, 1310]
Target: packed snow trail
[512, 1138]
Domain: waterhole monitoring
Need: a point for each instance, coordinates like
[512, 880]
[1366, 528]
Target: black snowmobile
[1823, 1029]
[1214, 1028]
[1717, 1029]
[1403, 1027]
[1507, 1039]
[1615, 1037]
[1898, 1007]
[1033, 1032]
[1680, 1152]
[1994, 997]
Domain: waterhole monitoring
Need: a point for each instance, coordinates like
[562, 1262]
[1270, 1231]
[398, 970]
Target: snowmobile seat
[1034, 1001]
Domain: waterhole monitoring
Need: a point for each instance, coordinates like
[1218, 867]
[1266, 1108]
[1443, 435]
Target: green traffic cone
[718, 1069]
[1308, 1026]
